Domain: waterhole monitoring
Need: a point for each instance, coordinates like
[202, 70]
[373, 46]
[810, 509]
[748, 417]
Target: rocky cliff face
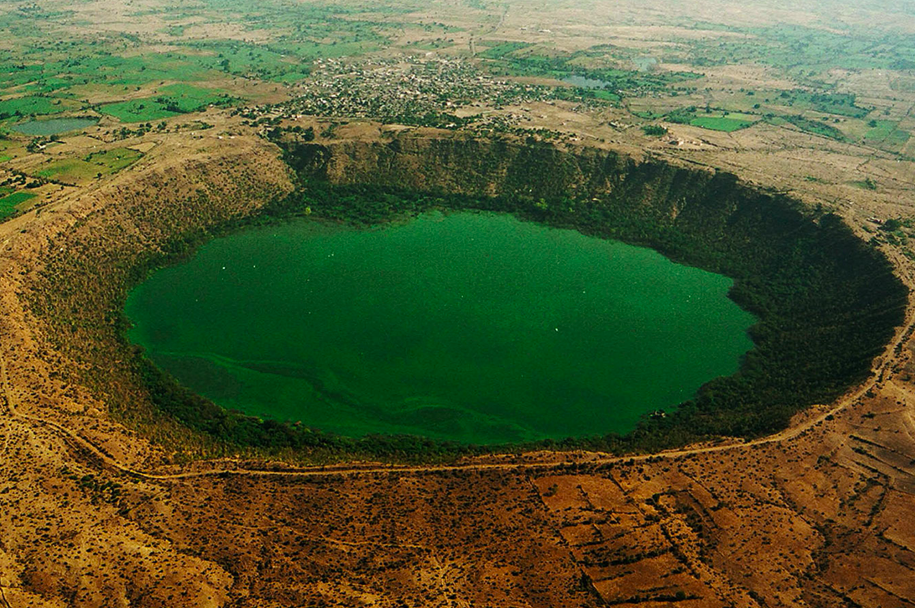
[479, 167]
[473, 167]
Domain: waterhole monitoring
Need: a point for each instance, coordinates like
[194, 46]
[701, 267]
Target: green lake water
[54, 126]
[472, 327]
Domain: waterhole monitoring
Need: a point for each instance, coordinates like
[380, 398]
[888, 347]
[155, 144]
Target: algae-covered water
[54, 126]
[472, 327]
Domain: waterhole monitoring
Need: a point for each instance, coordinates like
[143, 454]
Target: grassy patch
[715, 120]
[880, 130]
[886, 135]
[27, 106]
[720, 123]
[114, 160]
[840, 104]
[73, 170]
[9, 150]
[172, 100]
[9, 203]
[138, 110]
[865, 184]
[814, 126]
[501, 49]
[70, 170]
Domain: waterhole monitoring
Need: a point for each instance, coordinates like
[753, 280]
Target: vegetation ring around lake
[827, 303]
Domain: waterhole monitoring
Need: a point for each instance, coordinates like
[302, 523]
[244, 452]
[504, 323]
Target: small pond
[53, 126]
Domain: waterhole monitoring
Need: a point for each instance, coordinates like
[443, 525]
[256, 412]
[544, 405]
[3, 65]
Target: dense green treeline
[827, 301]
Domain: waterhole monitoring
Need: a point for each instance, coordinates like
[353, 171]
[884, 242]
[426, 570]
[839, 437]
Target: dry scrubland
[105, 502]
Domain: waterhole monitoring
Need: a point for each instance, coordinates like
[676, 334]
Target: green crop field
[172, 100]
[9, 203]
[501, 49]
[246, 60]
[190, 98]
[605, 95]
[309, 51]
[896, 140]
[26, 106]
[140, 110]
[727, 124]
[886, 135]
[90, 66]
[715, 120]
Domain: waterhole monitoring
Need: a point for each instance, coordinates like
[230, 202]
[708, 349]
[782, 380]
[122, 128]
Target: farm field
[75, 170]
[9, 202]
[33, 106]
[170, 101]
[141, 110]
[157, 76]
[726, 122]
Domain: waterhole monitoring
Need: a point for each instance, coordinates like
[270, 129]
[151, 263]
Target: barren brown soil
[97, 509]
